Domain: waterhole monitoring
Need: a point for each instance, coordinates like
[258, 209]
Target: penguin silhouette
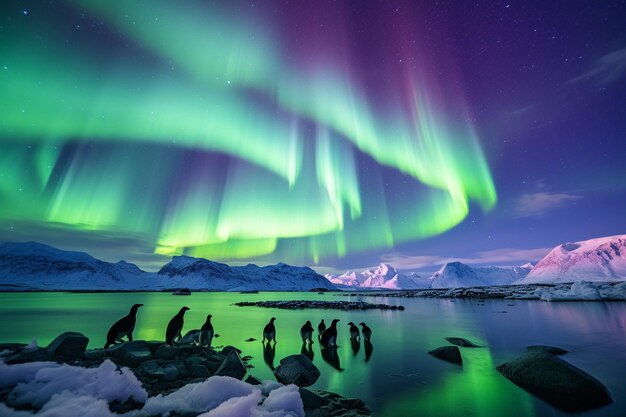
[207, 332]
[320, 329]
[354, 332]
[329, 337]
[367, 332]
[306, 332]
[269, 331]
[123, 327]
[175, 326]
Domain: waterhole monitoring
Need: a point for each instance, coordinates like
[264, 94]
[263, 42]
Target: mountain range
[33, 265]
[600, 259]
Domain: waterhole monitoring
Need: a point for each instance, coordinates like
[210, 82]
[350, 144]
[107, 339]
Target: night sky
[327, 133]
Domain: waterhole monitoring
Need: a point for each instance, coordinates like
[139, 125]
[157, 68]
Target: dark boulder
[227, 349]
[27, 355]
[131, 353]
[298, 370]
[68, 346]
[310, 400]
[192, 336]
[458, 341]
[555, 381]
[253, 380]
[448, 353]
[548, 349]
[232, 366]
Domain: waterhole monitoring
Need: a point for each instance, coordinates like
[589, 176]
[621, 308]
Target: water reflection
[269, 353]
[356, 346]
[369, 348]
[331, 357]
[307, 350]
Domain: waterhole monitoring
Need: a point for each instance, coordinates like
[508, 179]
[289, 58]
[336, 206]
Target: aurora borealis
[241, 132]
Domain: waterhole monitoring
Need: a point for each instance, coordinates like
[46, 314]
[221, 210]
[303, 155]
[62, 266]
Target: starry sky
[334, 134]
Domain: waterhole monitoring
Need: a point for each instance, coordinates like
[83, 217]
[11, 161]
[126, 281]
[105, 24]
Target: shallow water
[400, 378]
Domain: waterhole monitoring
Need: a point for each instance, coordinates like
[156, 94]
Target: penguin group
[327, 336]
[124, 328]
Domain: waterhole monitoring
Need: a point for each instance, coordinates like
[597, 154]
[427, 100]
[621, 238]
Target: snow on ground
[61, 390]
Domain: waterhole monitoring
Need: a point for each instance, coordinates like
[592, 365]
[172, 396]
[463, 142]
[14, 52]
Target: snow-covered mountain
[201, 273]
[38, 266]
[457, 274]
[34, 265]
[385, 276]
[601, 259]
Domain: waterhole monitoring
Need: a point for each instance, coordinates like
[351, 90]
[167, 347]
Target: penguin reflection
[368, 350]
[307, 350]
[356, 345]
[330, 357]
[269, 352]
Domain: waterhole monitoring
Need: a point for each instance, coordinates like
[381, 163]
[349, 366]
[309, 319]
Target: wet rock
[458, 341]
[310, 400]
[227, 349]
[335, 305]
[232, 366]
[555, 381]
[338, 406]
[94, 354]
[25, 356]
[298, 370]
[11, 346]
[68, 346]
[159, 370]
[199, 371]
[253, 380]
[131, 353]
[548, 349]
[190, 337]
[166, 352]
[448, 353]
[250, 339]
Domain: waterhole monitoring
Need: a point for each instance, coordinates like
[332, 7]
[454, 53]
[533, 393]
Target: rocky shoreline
[165, 371]
[328, 305]
[573, 291]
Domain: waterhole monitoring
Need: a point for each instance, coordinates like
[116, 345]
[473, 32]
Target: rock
[94, 354]
[311, 400]
[253, 380]
[68, 346]
[448, 353]
[548, 349]
[227, 349]
[555, 381]
[131, 353]
[166, 352]
[162, 371]
[27, 356]
[11, 346]
[250, 339]
[199, 371]
[191, 337]
[339, 406]
[232, 366]
[461, 342]
[298, 370]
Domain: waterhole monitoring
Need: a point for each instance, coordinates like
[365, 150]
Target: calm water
[400, 378]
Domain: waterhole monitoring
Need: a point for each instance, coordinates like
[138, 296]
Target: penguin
[269, 331]
[306, 332]
[367, 332]
[206, 332]
[329, 337]
[123, 327]
[320, 329]
[175, 326]
[354, 332]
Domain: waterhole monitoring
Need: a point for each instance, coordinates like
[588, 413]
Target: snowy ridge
[33, 265]
[459, 275]
[601, 259]
[189, 272]
[384, 277]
